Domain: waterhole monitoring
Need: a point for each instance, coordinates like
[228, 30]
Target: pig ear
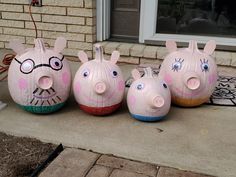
[171, 46]
[210, 47]
[82, 56]
[17, 46]
[135, 73]
[115, 57]
[60, 44]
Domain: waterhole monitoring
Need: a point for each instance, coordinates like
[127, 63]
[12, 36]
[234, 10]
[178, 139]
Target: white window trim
[147, 27]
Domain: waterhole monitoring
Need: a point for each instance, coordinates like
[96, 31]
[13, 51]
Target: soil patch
[20, 156]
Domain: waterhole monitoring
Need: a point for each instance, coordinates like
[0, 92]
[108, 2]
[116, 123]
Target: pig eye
[204, 65]
[177, 65]
[114, 73]
[27, 66]
[85, 73]
[164, 85]
[140, 86]
[55, 63]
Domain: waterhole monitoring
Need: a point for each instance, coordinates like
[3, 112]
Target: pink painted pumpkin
[99, 84]
[39, 78]
[190, 73]
[148, 98]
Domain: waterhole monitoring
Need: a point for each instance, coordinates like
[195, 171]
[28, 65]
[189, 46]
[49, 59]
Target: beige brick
[121, 173]
[20, 32]
[161, 52]
[63, 19]
[67, 3]
[1, 44]
[70, 52]
[90, 38]
[223, 58]
[137, 50]
[80, 45]
[99, 171]
[80, 12]
[7, 38]
[15, 1]
[80, 29]
[68, 36]
[20, 16]
[90, 3]
[71, 162]
[90, 21]
[233, 62]
[111, 46]
[1, 30]
[123, 59]
[46, 26]
[12, 23]
[170, 172]
[11, 8]
[146, 61]
[47, 10]
[48, 42]
[124, 49]
[150, 52]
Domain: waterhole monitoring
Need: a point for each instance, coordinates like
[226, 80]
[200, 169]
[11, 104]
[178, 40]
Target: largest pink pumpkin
[190, 73]
[99, 84]
[39, 78]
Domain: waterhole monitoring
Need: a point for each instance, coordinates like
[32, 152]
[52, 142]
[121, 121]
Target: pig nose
[157, 101]
[44, 81]
[100, 87]
[192, 81]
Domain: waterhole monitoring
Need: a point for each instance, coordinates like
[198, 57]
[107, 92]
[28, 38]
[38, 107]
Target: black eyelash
[179, 60]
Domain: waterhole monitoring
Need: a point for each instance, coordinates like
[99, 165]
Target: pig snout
[156, 101]
[44, 81]
[100, 87]
[192, 81]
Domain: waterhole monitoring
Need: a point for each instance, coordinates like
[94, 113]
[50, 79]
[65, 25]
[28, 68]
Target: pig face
[39, 78]
[98, 84]
[191, 74]
[148, 98]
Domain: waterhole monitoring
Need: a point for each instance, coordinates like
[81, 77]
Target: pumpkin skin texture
[190, 73]
[99, 84]
[148, 97]
[39, 78]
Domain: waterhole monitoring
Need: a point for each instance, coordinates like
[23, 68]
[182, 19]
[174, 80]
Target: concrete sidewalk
[197, 139]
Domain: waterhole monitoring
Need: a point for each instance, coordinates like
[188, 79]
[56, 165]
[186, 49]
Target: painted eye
[177, 65]
[204, 65]
[114, 73]
[27, 66]
[164, 85]
[140, 86]
[55, 63]
[85, 73]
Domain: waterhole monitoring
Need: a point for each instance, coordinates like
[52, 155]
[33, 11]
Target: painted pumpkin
[98, 84]
[148, 97]
[39, 78]
[190, 73]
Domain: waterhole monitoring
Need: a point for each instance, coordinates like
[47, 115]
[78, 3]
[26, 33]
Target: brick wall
[73, 19]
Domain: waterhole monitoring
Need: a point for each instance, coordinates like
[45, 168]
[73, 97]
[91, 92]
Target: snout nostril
[100, 87]
[158, 102]
[193, 83]
[45, 82]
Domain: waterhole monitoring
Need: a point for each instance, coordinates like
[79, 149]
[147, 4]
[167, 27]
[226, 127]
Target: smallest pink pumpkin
[149, 97]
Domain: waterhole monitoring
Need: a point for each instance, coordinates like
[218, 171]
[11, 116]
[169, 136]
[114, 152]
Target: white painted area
[2, 105]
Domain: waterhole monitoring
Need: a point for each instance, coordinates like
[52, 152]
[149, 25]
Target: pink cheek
[132, 100]
[22, 84]
[66, 78]
[212, 79]
[121, 86]
[168, 79]
[77, 88]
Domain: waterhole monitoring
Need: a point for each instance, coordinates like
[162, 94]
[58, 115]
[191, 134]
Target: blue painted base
[147, 118]
[42, 109]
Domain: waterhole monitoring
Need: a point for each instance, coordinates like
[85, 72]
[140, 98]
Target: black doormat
[223, 95]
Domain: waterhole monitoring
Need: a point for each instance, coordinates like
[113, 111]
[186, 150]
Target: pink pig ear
[115, 57]
[60, 44]
[83, 56]
[210, 47]
[136, 75]
[171, 46]
[17, 46]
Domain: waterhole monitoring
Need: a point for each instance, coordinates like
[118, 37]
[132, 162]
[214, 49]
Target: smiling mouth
[181, 93]
[46, 97]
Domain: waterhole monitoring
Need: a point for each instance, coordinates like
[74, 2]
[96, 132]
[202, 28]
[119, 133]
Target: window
[184, 20]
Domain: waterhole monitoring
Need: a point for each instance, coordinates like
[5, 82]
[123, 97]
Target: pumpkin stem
[148, 72]
[99, 52]
[39, 44]
[193, 46]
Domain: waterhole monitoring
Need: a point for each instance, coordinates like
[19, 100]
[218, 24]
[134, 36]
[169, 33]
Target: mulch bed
[20, 156]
